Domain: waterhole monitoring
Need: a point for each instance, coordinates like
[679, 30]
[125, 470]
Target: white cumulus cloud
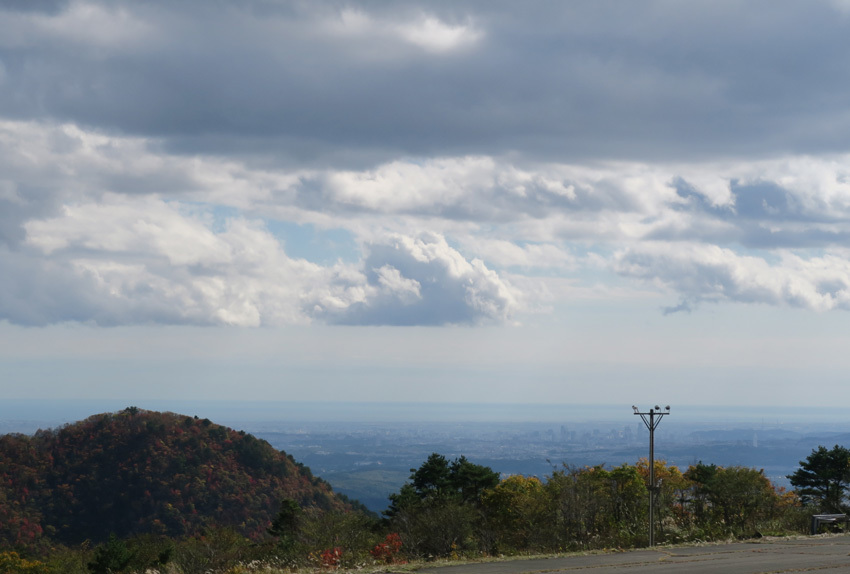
[449, 288]
[709, 273]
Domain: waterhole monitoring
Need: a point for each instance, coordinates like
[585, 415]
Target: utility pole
[651, 420]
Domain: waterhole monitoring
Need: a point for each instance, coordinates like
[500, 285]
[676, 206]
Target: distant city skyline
[589, 202]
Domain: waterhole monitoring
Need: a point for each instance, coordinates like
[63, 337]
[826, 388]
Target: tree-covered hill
[140, 471]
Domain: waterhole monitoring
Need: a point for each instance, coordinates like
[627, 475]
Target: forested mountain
[139, 471]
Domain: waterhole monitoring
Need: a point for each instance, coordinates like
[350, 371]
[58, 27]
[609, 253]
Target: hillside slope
[139, 471]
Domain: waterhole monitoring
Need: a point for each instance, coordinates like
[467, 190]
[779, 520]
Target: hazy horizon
[228, 412]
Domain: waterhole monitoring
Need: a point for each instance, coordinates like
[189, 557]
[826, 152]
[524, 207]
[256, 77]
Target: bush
[387, 552]
[438, 528]
[12, 563]
[351, 532]
[111, 558]
[216, 550]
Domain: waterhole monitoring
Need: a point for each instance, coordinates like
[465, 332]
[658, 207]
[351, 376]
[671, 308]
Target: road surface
[826, 554]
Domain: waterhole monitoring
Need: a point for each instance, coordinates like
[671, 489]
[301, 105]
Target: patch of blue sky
[320, 246]
[300, 241]
[221, 214]
[216, 216]
[575, 267]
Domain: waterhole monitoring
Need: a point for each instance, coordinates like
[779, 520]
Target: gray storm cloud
[318, 83]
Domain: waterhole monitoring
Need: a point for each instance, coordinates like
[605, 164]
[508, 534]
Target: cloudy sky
[560, 202]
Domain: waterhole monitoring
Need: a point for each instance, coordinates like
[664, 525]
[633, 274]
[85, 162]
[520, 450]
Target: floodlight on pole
[652, 420]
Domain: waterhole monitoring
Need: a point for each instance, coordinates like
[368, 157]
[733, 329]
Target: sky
[584, 202]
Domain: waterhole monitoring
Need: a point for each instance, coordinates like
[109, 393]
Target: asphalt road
[811, 554]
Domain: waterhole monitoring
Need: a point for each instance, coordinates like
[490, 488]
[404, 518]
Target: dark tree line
[452, 508]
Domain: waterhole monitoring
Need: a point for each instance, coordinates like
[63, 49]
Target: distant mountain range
[138, 471]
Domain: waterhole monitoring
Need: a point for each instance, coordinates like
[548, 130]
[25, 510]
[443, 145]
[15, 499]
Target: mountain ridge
[137, 471]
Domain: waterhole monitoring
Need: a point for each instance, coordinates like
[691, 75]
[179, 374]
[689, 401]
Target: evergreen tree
[437, 511]
[287, 525]
[823, 478]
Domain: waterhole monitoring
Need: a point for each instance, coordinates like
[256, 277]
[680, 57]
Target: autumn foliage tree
[516, 514]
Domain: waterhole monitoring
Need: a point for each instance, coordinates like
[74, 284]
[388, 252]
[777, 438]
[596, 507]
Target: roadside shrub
[216, 550]
[353, 533]
[438, 529]
[331, 557]
[388, 551]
